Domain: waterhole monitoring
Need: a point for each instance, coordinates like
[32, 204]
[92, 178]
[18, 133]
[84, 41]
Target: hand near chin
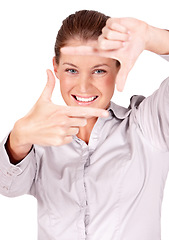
[123, 39]
[48, 124]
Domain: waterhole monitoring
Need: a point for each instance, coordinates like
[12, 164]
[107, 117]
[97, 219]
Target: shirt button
[9, 174]
[6, 188]
[15, 170]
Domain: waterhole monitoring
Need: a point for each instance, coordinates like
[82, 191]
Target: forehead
[77, 42]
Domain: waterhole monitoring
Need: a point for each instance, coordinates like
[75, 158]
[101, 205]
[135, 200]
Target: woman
[97, 169]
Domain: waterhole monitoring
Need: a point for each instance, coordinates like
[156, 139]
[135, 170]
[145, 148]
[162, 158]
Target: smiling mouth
[85, 99]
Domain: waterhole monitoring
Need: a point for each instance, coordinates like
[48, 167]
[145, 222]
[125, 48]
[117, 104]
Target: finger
[80, 50]
[87, 50]
[77, 122]
[121, 78]
[86, 112]
[114, 24]
[114, 35]
[62, 141]
[50, 85]
[68, 139]
[105, 44]
[72, 131]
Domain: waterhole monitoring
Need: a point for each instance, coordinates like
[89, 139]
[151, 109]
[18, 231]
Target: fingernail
[105, 114]
[85, 122]
[129, 33]
[124, 44]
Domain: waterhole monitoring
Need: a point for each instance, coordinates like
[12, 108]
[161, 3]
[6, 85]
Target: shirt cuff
[8, 171]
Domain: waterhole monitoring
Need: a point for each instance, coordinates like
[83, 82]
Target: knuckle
[100, 38]
[109, 21]
[109, 34]
[106, 33]
[104, 30]
[112, 25]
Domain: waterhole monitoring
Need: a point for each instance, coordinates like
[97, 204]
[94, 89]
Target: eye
[99, 71]
[71, 70]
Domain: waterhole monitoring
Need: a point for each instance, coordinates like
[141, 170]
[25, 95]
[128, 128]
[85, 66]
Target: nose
[84, 83]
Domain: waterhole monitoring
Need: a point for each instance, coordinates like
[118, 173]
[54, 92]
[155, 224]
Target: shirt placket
[84, 161]
[84, 164]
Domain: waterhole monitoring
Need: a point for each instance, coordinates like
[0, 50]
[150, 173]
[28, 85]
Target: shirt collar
[122, 112]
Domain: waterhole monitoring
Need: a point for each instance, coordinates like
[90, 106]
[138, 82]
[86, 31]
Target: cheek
[107, 86]
[109, 82]
[65, 83]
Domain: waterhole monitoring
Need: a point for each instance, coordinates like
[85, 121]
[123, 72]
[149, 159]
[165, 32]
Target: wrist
[157, 40]
[149, 38]
[16, 146]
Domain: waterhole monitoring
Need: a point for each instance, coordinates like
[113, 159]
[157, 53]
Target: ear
[55, 66]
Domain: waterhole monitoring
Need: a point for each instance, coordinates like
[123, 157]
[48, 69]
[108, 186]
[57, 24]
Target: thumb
[50, 85]
[121, 78]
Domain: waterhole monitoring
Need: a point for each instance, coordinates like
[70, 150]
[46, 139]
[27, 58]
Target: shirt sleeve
[152, 117]
[16, 180]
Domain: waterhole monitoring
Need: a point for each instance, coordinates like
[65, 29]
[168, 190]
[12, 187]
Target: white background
[27, 35]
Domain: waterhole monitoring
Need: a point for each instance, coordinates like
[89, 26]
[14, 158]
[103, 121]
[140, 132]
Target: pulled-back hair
[83, 25]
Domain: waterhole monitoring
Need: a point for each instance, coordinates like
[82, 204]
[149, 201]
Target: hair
[83, 25]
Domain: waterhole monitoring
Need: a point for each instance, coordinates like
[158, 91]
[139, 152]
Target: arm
[125, 39]
[158, 40]
[152, 117]
[153, 113]
[46, 124]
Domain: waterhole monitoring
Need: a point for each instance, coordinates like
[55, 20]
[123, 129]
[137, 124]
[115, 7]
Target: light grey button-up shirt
[110, 189]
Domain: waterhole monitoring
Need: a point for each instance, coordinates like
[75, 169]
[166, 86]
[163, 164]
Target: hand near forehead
[123, 39]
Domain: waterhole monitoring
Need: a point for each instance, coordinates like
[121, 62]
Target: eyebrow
[101, 65]
[70, 64]
[96, 66]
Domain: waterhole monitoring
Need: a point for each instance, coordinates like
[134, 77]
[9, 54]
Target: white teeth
[85, 99]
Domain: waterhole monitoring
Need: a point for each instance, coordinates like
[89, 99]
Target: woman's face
[86, 80]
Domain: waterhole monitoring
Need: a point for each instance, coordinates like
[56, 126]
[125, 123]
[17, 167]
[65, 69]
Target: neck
[85, 132]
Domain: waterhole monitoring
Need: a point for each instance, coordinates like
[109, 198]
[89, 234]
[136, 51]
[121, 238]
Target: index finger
[88, 50]
[86, 112]
[81, 50]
